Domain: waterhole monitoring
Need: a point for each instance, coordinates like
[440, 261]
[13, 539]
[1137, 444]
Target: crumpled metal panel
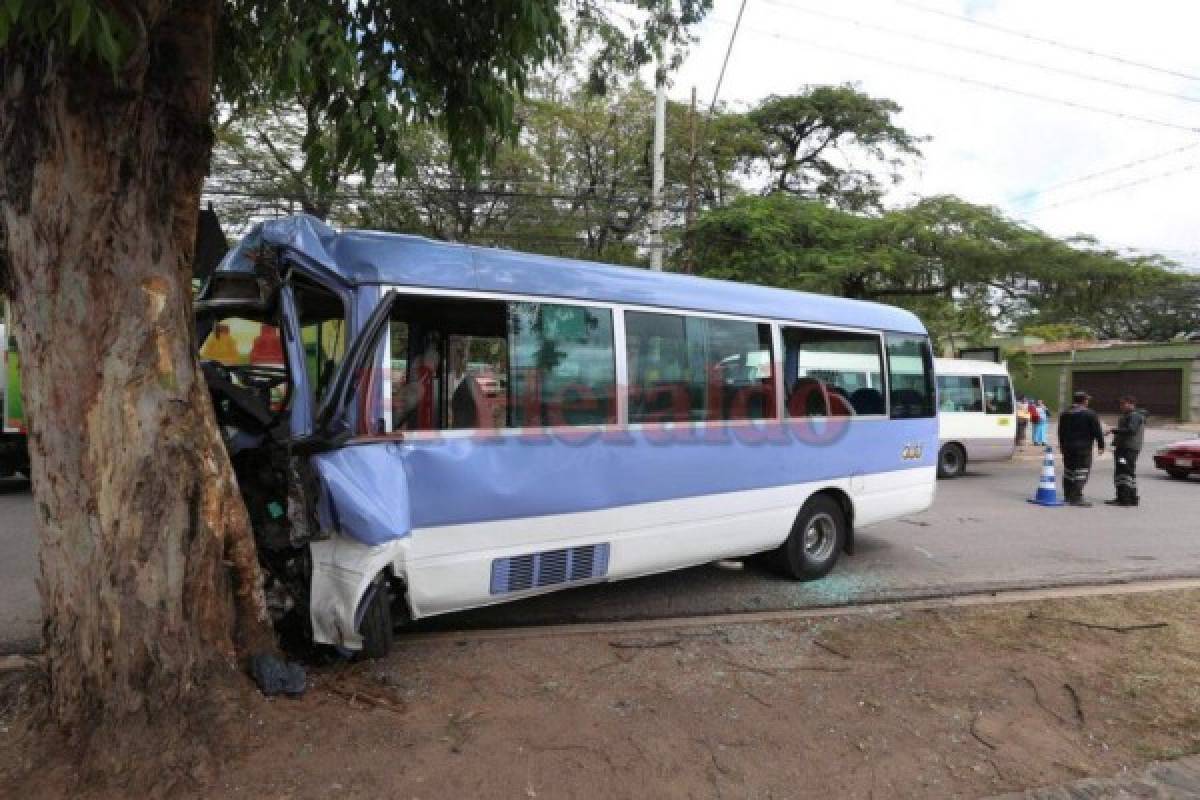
[364, 493]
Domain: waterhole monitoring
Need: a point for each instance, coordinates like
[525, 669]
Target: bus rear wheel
[816, 540]
[952, 461]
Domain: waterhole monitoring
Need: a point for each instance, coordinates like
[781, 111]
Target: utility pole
[689, 263]
[656, 188]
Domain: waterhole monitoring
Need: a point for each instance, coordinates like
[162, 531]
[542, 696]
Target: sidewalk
[1157, 435]
[1185, 427]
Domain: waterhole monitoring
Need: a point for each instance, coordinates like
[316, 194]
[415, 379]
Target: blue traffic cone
[1047, 491]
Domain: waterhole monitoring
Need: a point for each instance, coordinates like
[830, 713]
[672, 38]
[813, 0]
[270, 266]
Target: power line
[384, 192]
[985, 53]
[1093, 175]
[275, 196]
[983, 84]
[493, 185]
[1052, 42]
[1119, 187]
[728, 50]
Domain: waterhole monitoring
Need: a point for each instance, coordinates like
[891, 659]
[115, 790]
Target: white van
[977, 418]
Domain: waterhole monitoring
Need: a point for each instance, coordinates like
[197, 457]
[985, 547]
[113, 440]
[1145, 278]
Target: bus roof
[966, 366]
[370, 257]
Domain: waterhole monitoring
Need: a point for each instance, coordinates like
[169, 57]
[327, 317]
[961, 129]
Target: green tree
[1020, 363]
[1166, 306]
[598, 150]
[150, 585]
[576, 180]
[727, 145]
[1159, 305]
[802, 133]
[260, 165]
[1057, 331]
[442, 200]
[963, 268]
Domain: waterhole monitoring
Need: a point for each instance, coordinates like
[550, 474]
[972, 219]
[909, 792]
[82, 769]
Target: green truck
[14, 454]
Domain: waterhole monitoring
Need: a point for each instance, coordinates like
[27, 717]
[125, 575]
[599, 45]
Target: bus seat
[908, 401]
[664, 401]
[807, 399]
[750, 400]
[839, 402]
[467, 404]
[868, 401]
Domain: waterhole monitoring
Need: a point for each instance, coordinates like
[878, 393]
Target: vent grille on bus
[535, 570]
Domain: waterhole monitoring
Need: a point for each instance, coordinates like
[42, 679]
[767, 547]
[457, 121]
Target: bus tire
[952, 461]
[376, 626]
[816, 541]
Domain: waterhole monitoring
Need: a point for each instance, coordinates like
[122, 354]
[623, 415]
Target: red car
[1180, 459]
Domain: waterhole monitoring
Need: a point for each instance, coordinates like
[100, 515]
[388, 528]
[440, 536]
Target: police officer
[1078, 428]
[1127, 444]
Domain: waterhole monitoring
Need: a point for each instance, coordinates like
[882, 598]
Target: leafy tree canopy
[964, 268]
[364, 71]
[1057, 331]
[1161, 304]
[802, 133]
[574, 180]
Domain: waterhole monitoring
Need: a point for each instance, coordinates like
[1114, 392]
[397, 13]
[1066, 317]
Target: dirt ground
[964, 702]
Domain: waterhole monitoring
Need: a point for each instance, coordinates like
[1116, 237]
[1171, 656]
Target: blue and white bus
[421, 427]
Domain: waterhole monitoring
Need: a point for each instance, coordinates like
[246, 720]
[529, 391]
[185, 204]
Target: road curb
[867, 608]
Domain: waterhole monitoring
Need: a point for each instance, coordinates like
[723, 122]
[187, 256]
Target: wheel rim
[820, 537]
[950, 460]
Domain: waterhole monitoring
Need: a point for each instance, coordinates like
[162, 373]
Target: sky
[991, 146]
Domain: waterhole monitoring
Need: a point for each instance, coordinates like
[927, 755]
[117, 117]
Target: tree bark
[149, 580]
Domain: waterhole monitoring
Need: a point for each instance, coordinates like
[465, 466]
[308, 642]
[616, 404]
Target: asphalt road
[979, 535]
[20, 615]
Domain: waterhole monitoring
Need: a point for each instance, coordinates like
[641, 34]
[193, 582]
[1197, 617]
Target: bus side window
[959, 393]
[464, 364]
[656, 347]
[832, 373]
[910, 375]
[448, 365]
[733, 360]
[563, 365]
[323, 332]
[693, 368]
[999, 394]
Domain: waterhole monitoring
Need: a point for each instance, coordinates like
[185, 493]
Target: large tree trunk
[150, 586]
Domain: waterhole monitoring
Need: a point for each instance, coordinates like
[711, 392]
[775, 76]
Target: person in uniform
[1078, 429]
[1127, 444]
